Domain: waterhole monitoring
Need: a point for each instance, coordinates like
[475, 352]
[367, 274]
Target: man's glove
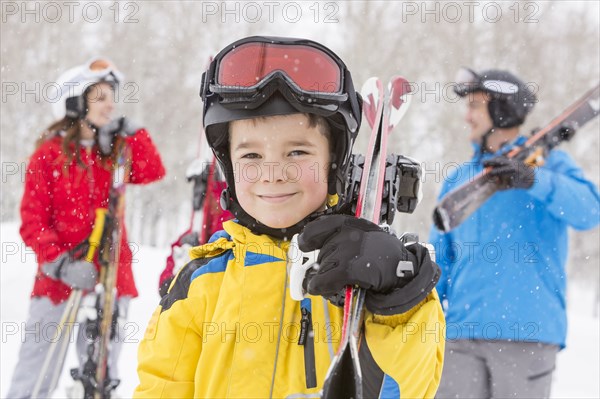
[357, 252]
[120, 126]
[78, 274]
[510, 173]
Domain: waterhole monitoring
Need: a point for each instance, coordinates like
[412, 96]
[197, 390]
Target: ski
[461, 202]
[202, 174]
[372, 181]
[61, 341]
[345, 365]
[382, 114]
[95, 376]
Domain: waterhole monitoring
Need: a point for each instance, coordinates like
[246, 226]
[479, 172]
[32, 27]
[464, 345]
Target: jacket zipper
[307, 340]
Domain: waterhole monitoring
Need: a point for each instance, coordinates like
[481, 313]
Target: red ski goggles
[242, 72]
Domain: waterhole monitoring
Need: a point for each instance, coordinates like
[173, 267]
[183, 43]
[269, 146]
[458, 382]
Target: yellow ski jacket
[229, 329]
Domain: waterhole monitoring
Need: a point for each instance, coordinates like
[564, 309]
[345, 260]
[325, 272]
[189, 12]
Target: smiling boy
[299, 159]
[228, 327]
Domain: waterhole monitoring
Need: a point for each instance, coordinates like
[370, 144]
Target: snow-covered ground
[576, 375]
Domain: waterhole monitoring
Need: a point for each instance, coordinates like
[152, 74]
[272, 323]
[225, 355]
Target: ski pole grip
[96, 235]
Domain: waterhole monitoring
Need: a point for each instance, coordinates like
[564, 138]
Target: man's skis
[460, 203]
[344, 377]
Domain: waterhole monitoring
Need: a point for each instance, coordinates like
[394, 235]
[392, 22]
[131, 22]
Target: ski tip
[399, 99]
[372, 95]
[371, 85]
[400, 85]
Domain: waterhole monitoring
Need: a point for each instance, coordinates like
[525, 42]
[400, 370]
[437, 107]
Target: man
[503, 270]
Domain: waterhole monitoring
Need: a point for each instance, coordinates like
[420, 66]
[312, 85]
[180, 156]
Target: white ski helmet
[70, 90]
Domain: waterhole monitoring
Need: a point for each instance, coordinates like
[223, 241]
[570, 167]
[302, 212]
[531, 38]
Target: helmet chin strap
[91, 125]
[484, 141]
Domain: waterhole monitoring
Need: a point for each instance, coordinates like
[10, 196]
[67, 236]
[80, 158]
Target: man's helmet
[511, 99]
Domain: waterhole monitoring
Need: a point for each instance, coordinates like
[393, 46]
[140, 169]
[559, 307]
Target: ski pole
[62, 354]
[73, 297]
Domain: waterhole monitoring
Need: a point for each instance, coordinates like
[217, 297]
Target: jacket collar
[235, 237]
[505, 148]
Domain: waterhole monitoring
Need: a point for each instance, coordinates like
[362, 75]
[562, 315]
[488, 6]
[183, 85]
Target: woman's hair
[71, 145]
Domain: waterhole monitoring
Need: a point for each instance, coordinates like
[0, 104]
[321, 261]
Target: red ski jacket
[60, 199]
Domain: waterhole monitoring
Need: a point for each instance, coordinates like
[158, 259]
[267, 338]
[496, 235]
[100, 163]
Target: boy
[281, 116]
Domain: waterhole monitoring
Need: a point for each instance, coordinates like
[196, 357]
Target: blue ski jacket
[503, 269]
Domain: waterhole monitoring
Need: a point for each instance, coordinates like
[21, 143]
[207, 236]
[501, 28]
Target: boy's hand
[357, 252]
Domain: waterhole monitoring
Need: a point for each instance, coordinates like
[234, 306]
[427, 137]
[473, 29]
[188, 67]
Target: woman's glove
[78, 274]
[120, 126]
[357, 252]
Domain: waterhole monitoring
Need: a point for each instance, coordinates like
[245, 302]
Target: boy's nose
[273, 171]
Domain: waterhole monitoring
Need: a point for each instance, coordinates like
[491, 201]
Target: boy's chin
[278, 223]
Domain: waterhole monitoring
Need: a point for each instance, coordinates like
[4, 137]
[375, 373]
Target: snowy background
[162, 48]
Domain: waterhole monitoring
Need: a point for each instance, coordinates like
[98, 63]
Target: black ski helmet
[511, 99]
[268, 76]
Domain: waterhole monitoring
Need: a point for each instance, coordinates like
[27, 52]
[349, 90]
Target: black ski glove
[78, 274]
[106, 134]
[510, 173]
[357, 252]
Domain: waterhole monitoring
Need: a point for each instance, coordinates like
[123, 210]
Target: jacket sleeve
[169, 352]
[409, 349]
[444, 253]
[146, 164]
[568, 195]
[37, 229]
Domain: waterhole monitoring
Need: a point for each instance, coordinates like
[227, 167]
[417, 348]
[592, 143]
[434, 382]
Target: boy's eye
[251, 155]
[296, 153]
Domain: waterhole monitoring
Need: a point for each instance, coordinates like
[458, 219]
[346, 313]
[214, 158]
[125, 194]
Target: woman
[68, 177]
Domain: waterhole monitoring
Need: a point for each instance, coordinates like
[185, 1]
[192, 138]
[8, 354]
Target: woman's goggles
[100, 70]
